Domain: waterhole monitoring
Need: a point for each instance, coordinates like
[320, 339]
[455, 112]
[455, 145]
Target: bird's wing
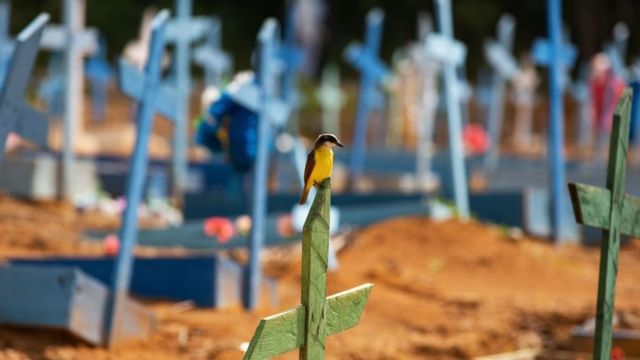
[311, 162]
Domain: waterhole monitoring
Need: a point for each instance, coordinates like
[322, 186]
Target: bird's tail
[303, 196]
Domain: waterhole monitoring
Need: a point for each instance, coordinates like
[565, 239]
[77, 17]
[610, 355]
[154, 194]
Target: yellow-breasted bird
[319, 162]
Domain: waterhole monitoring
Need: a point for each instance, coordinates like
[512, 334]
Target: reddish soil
[444, 290]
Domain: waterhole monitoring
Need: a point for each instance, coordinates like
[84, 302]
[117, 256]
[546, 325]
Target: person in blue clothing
[231, 128]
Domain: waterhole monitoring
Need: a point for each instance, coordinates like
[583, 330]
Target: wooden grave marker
[153, 96]
[373, 75]
[6, 43]
[505, 67]
[183, 31]
[216, 62]
[15, 114]
[617, 214]
[451, 53]
[426, 178]
[308, 325]
[331, 98]
[559, 58]
[259, 96]
[99, 72]
[75, 41]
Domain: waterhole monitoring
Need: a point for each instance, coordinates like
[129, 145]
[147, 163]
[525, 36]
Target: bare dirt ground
[446, 290]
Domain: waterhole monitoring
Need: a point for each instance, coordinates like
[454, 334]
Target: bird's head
[326, 139]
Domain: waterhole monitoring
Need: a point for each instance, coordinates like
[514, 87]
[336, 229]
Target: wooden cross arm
[592, 207]
[131, 82]
[280, 333]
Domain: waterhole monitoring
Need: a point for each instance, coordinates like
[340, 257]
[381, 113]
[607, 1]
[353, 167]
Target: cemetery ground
[443, 290]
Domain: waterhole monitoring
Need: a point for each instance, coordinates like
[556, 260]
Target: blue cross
[183, 31]
[374, 73]
[6, 44]
[291, 56]
[212, 58]
[260, 96]
[505, 67]
[617, 50]
[152, 96]
[444, 48]
[99, 72]
[15, 115]
[51, 89]
[541, 54]
[558, 57]
[75, 41]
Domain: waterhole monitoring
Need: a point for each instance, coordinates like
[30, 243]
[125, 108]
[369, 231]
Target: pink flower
[476, 140]
[285, 226]
[111, 245]
[220, 227]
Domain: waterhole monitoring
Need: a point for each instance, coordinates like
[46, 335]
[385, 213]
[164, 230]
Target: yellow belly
[323, 166]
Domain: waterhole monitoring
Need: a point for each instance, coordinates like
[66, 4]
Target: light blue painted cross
[6, 43]
[75, 41]
[99, 72]
[183, 31]
[581, 93]
[259, 96]
[51, 88]
[152, 96]
[291, 56]
[558, 57]
[216, 62]
[16, 115]
[451, 53]
[505, 67]
[617, 50]
[373, 75]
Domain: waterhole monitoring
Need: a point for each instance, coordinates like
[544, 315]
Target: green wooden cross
[318, 317]
[616, 213]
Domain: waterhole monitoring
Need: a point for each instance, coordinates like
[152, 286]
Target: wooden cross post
[183, 31]
[428, 100]
[318, 317]
[75, 41]
[99, 72]
[15, 115]
[152, 95]
[6, 44]
[374, 74]
[210, 56]
[505, 67]
[331, 98]
[559, 57]
[617, 214]
[451, 53]
[259, 96]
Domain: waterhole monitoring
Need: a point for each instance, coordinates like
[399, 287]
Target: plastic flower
[111, 244]
[476, 140]
[220, 227]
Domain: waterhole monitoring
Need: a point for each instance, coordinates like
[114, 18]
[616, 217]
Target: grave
[374, 73]
[617, 214]
[559, 58]
[74, 300]
[307, 326]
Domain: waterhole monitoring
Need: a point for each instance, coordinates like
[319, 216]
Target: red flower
[476, 140]
[617, 354]
[111, 245]
[220, 227]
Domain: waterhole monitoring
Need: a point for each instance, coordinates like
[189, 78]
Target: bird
[319, 163]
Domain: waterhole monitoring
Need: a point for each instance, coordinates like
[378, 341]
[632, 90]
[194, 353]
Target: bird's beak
[339, 144]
